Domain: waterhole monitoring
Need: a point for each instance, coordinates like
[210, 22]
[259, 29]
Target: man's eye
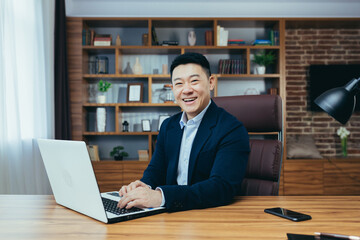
[178, 83]
[194, 80]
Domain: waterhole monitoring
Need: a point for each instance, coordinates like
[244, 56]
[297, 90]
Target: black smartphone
[288, 214]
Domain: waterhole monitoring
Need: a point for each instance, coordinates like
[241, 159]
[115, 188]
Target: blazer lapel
[174, 137]
[202, 135]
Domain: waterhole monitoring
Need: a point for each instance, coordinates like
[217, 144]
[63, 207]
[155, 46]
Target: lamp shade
[339, 102]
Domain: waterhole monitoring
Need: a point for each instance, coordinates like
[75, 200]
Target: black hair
[195, 58]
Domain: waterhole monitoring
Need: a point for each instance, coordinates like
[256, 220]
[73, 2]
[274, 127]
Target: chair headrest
[258, 113]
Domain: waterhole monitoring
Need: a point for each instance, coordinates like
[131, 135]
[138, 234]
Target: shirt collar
[196, 120]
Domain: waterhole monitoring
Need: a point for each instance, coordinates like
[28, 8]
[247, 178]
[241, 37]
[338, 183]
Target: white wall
[213, 8]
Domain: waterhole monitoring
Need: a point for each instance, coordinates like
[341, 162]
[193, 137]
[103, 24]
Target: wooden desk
[39, 217]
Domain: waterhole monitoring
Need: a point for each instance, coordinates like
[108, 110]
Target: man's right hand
[128, 188]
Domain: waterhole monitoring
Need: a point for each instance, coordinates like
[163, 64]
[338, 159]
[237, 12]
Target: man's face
[191, 88]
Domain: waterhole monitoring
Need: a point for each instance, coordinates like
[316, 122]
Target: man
[201, 154]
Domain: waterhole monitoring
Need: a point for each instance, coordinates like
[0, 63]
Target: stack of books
[232, 66]
[274, 37]
[102, 40]
[88, 37]
[222, 36]
[262, 42]
[236, 42]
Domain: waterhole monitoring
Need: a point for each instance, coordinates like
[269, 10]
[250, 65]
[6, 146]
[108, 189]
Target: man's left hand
[141, 197]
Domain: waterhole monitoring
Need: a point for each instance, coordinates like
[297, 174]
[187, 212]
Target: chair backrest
[259, 114]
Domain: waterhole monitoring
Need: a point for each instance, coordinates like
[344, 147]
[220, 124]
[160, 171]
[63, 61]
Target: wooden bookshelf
[131, 31]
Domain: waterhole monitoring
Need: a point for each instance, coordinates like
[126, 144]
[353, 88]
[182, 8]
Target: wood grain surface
[39, 217]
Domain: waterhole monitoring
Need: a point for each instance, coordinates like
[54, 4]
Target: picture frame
[146, 125]
[134, 92]
[161, 119]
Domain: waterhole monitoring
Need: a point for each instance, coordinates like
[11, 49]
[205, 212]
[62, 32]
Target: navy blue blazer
[217, 164]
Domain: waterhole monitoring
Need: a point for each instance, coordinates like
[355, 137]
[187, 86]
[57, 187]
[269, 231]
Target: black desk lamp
[340, 102]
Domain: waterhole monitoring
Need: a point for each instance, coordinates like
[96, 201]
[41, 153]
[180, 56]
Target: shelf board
[263, 133]
[167, 76]
[90, 76]
[178, 47]
[119, 133]
[272, 75]
[153, 133]
[130, 105]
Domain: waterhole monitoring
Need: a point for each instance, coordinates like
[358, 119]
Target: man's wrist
[162, 197]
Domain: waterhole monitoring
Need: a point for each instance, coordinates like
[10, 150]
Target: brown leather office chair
[260, 114]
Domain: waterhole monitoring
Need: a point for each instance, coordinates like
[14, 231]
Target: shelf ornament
[262, 60]
[103, 87]
[343, 133]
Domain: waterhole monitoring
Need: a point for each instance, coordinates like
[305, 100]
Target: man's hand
[141, 197]
[128, 188]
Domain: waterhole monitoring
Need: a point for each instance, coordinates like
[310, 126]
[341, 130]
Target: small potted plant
[118, 154]
[262, 60]
[103, 86]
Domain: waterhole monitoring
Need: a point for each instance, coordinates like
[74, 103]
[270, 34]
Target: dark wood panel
[342, 177]
[133, 170]
[303, 177]
[112, 175]
[74, 57]
[109, 175]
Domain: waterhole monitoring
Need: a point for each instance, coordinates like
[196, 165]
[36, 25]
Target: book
[209, 36]
[143, 155]
[272, 91]
[261, 42]
[154, 36]
[102, 43]
[236, 42]
[93, 152]
[232, 66]
[170, 43]
[92, 36]
[222, 36]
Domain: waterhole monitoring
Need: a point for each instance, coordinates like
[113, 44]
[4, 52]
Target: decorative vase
[260, 70]
[101, 98]
[100, 119]
[118, 40]
[128, 69]
[137, 67]
[101, 114]
[192, 38]
[344, 146]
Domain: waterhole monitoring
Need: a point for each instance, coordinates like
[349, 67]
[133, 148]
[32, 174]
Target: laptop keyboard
[111, 206]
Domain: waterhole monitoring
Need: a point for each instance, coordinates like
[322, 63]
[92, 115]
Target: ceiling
[213, 8]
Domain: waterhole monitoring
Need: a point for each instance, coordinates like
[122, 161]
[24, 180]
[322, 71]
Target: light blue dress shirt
[190, 129]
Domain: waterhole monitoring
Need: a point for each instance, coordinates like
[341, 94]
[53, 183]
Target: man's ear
[212, 82]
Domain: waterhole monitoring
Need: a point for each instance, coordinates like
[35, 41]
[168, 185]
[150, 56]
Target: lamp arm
[353, 86]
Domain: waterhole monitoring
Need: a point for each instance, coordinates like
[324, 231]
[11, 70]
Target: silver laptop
[74, 185]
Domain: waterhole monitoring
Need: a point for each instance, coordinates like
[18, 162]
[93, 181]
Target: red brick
[327, 31]
[295, 78]
[323, 57]
[307, 42]
[306, 32]
[328, 42]
[293, 47]
[348, 42]
[349, 32]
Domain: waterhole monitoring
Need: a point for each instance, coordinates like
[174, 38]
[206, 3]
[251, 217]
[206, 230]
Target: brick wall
[319, 46]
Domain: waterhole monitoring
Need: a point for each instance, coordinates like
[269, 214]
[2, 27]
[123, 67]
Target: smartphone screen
[288, 214]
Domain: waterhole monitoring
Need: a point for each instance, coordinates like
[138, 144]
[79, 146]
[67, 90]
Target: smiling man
[201, 153]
